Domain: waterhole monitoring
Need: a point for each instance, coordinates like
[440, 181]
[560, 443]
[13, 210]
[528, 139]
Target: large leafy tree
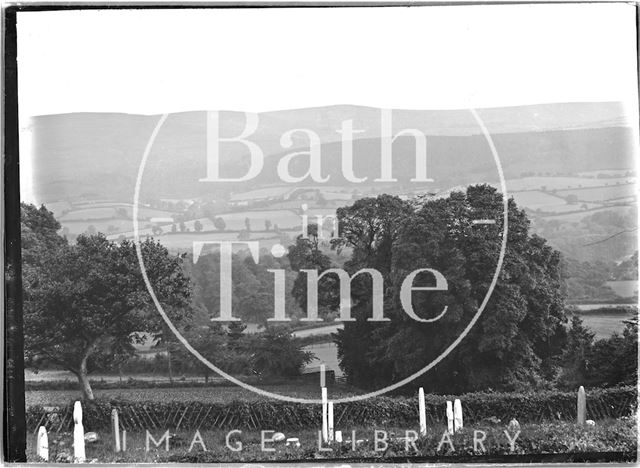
[306, 254]
[604, 362]
[90, 299]
[518, 340]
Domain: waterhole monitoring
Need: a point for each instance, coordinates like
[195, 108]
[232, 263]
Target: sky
[456, 57]
[156, 61]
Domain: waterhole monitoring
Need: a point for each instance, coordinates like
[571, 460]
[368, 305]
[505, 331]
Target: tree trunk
[83, 378]
[87, 393]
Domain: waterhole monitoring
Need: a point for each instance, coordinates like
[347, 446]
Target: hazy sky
[155, 61]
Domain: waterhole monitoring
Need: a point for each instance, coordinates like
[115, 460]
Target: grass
[559, 437]
[605, 325]
[217, 394]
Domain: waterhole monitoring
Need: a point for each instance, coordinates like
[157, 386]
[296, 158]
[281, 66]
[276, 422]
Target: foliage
[478, 408]
[219, 224]
[576, 353]
[252, 285]
[606, 362]
[306, 254]
[605, 235]
[275, 352]
[518, 339]
[272, 353]
[89, 300]
[628, 269]
[586, 281]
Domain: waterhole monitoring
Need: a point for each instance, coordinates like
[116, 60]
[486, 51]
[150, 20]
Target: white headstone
[42, 444]
[115, 429]
[582, 406]
[450, 417]
[325, 429]
[339, 437]
[330, 421]
[78, 434]
[457, 415]
[422, 412]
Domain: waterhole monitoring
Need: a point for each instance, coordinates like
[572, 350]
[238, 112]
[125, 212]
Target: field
[567, 218]
[602, 193]
[604, 325]
[108, 210]
[183, 242]
[210, 394]
[624, 288]
[558, 183]
[537, 199]
[281, 206]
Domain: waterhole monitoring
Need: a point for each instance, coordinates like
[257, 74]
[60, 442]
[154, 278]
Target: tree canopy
[90, 297]
[517, 341]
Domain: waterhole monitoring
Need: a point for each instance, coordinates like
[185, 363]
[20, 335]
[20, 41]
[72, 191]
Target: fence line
[478, 407]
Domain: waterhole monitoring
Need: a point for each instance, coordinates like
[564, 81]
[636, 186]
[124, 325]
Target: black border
[13, 421]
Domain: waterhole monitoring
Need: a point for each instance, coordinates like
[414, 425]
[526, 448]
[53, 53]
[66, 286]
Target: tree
[219, 224]
[320, 200]
[267, 224]
[517, 341]
[247, 224]
[91, 296]
[571, 199]
[182, 226]
[277, 353]
[305, 254]
[174, 229]
[614, 361]
[577, 354]
[197, 225]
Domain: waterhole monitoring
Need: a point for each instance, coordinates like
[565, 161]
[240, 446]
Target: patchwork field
[558, 183]
[602, 193]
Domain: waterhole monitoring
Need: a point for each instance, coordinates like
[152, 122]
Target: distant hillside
[96, 156]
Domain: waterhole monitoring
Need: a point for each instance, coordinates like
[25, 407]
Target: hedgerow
[531, 407]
